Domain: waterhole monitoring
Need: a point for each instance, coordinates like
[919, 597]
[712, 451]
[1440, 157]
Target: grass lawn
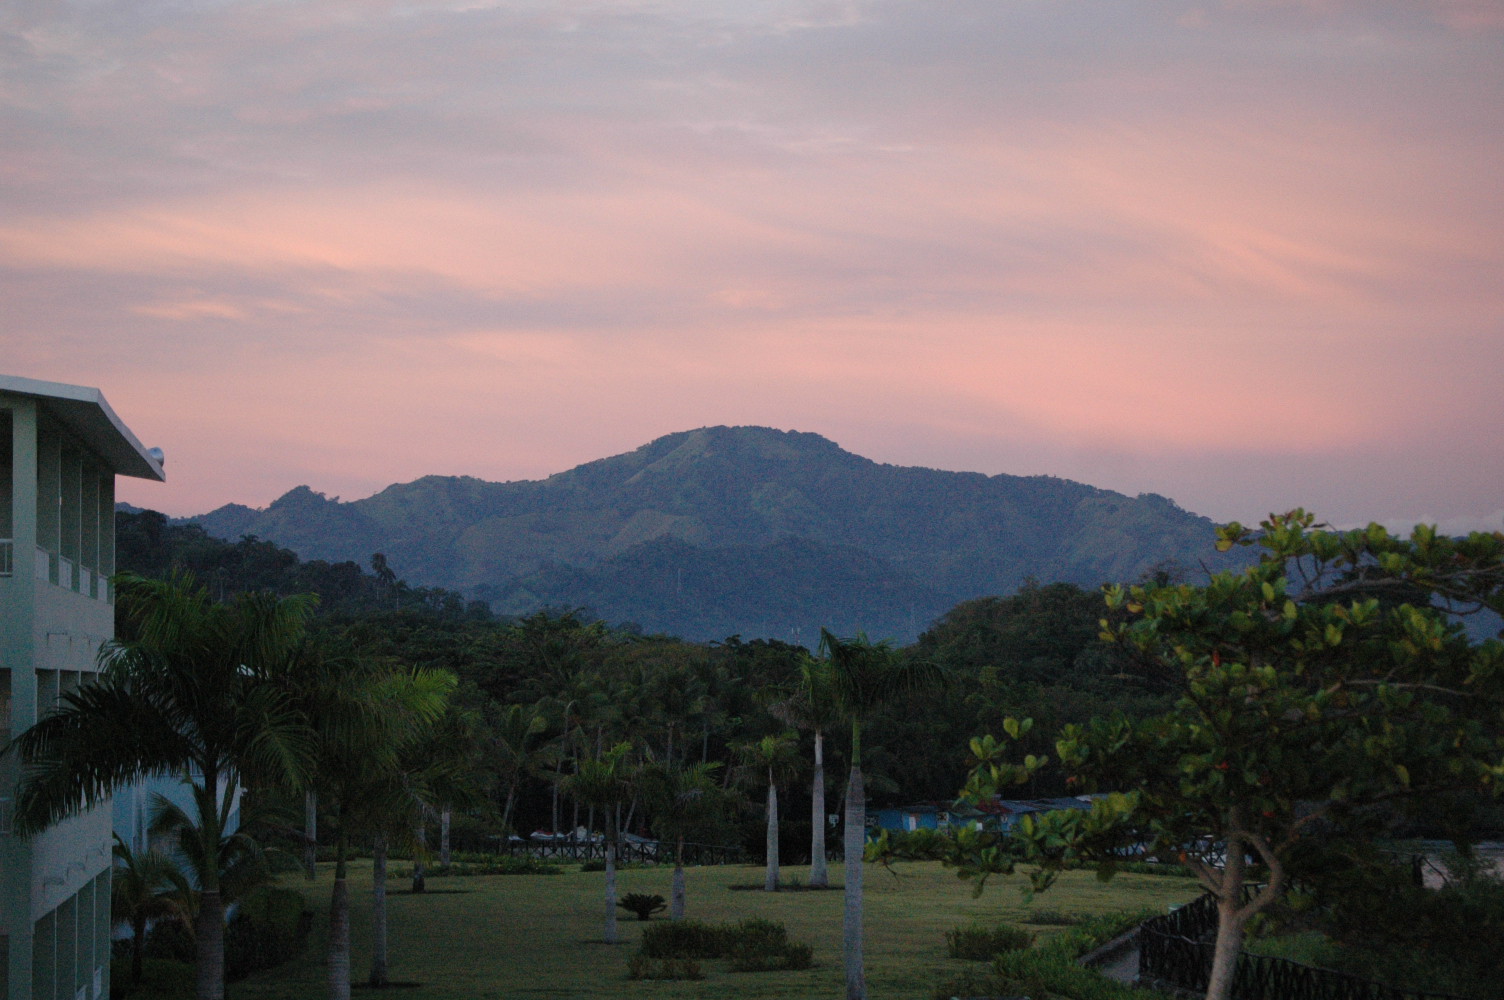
[523, 936]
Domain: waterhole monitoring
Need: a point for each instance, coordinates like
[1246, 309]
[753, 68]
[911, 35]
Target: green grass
[539, 936]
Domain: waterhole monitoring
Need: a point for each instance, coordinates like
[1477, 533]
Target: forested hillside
[1034, 652]
[738, 530]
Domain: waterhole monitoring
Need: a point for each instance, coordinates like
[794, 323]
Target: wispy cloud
[1245, 253]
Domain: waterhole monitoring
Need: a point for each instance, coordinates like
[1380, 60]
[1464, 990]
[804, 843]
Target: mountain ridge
[911, 541]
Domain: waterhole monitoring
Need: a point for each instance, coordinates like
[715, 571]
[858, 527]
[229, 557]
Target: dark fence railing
[648, 852]
[1175, 952]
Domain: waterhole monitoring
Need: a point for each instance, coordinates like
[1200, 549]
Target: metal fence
[1175, 953]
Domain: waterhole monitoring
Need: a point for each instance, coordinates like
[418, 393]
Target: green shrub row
[979, 943]
[751, 945]
[500, 864]
[599, 865]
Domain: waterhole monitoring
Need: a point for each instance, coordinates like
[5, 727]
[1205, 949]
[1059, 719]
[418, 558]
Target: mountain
[739, 530]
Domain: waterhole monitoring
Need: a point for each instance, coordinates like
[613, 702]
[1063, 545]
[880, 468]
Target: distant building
[991, 814]
[61, 447]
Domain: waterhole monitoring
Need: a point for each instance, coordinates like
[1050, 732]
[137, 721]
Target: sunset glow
[1247, 254]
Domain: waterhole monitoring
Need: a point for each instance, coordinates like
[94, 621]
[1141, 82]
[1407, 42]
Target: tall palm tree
[605, 782]
[364, 713]
[774, 759]
[190, 689]
[678, 796]
[865, 676]
[813, 706]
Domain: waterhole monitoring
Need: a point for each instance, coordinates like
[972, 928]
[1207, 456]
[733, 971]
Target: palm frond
[101, 736]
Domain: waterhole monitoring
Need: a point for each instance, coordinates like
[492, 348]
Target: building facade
[61, 447]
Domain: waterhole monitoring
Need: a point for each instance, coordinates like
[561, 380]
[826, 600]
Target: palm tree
[865, 676]
[145, 888]
[364, 714]
[679, 796]
[605, 782]
[518, 750]
[190, 690]
[776, 756]
[813, 707]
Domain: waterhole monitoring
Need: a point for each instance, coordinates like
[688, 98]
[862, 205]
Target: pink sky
[1247, 254]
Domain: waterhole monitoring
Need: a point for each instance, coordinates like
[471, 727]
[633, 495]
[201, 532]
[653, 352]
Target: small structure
[920, 816]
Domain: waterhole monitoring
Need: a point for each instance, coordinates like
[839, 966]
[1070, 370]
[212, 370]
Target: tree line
[1328, 688]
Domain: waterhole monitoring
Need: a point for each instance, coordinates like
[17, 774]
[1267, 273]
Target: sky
[1246, 254]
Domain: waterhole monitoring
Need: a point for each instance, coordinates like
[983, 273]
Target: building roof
[86, 414]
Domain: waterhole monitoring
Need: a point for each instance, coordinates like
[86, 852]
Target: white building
[61, 447]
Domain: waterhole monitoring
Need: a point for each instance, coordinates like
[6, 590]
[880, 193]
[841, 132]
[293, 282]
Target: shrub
[598, 865]
[758, 945]
[982, 944]
[642, 904]
[494, 865]
[685, 939]
[753, 945]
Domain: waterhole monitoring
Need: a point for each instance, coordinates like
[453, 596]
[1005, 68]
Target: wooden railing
[649, 852]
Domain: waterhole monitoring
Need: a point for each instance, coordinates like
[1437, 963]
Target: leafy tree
[865, 677]
[190, 689]
[771, 761]
[1306, 698]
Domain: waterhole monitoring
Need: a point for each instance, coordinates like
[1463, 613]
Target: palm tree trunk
[138, 949]
[506, 812]
[819, 875]
[420, 874]
[209, 930]
[378, 912]
[444, 817]
[851, 927]
[339, 929]
[770, 880]
[310, 833]
[676, 906]
[610, 937]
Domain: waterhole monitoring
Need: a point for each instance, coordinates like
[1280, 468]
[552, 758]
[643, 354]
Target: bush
[759, 945]
[642, 904]
[753, 945]
[598, 865]
[685, 939]
[494, 865]
[982, 944]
